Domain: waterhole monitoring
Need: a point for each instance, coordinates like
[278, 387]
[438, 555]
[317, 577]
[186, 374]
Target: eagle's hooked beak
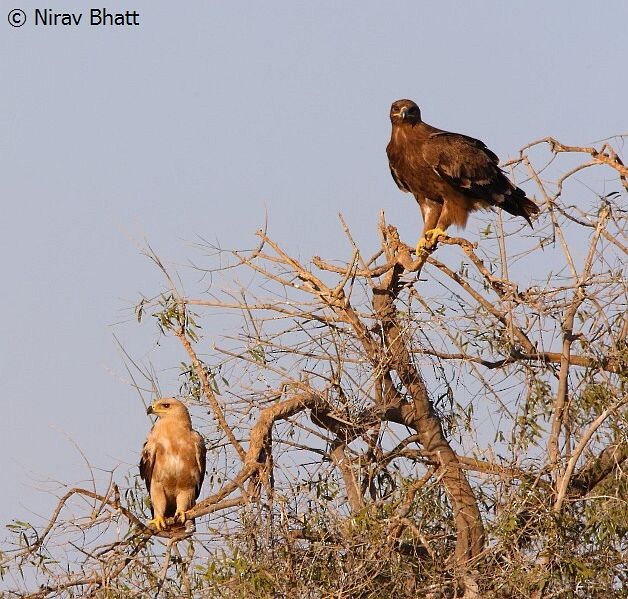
[402, 112]
[150, 410]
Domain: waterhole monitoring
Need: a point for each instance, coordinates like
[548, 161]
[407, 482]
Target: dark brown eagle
[449, 174]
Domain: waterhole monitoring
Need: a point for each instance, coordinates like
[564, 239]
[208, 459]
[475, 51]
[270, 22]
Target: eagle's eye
[165, 405]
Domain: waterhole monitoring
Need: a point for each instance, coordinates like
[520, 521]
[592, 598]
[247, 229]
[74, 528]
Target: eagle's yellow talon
[434, 234]
[179, 516]
[422, 246]
[157, 522]
[429, 240]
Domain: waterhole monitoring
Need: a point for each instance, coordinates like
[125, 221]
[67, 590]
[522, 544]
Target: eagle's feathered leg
[158, 506]
[454, 211]
[431, 212]
[184, 502]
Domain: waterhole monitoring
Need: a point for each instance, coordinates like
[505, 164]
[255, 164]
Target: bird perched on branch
[172, 463]
[449, 174]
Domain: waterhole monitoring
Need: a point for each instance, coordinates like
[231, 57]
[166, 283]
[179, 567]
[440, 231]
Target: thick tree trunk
[421, 416]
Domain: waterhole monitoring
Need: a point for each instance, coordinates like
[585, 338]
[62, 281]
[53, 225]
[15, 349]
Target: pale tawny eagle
[173, 462]
[449, 174]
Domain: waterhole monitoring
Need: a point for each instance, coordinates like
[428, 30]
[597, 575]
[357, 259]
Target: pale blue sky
[199, 120]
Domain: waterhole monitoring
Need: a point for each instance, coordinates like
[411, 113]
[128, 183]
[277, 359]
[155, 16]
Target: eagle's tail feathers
[517, 204]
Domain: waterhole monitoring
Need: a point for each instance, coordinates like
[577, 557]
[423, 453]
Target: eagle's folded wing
[473, 170]
[201, 454]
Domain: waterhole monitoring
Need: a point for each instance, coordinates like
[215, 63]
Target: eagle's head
[167, 407]
[405, 111]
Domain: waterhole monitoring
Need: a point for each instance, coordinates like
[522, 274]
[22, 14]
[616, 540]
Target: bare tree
[451, 424]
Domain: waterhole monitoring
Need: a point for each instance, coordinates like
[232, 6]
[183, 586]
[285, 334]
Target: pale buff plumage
[172, 463]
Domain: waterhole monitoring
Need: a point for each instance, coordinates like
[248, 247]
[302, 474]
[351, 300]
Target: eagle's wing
[147, 463]
[397, 178]
[201, 454]
[467, 165]
[472, 169]
[147, 466]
